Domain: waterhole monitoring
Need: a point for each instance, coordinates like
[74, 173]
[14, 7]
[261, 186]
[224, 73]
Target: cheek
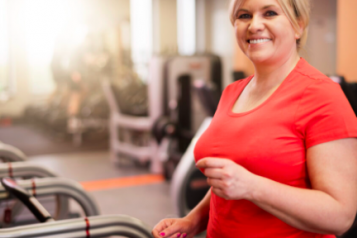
[240, 36]
[285, 33]
[285, 41]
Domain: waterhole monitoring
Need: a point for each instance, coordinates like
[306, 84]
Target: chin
[259, 59]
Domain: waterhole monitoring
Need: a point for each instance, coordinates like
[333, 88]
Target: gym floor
[121, 188]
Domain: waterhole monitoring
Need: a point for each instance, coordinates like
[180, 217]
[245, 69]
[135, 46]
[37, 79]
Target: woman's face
[263, 31]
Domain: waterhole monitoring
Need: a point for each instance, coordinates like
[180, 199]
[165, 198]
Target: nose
[256, 24]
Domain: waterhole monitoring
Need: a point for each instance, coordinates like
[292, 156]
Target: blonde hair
[297, 11]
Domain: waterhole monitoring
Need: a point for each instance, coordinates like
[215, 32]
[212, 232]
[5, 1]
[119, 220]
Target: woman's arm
[329, 207]
[190, 225]
[199, 215]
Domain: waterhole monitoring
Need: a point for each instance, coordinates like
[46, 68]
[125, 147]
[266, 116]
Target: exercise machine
[9, 153]
[189, 185]
[97, 226]
[58, 204]
[174, 113]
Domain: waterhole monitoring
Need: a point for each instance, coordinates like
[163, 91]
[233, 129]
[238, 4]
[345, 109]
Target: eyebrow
[265, 7]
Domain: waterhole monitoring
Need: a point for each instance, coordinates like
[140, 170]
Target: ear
[298, 33]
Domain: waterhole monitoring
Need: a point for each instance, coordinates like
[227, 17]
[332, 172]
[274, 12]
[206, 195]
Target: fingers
[215, 183]
[159, 229]
[172, 231]
[172, 228]
[211, 163]
[157, 233]
[218, 192]
[176, 235]
[213, 173]
[179, 235]
[163, 224]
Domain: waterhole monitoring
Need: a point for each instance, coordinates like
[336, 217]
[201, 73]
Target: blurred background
[54, 53]
[47, 45]
[57, 58]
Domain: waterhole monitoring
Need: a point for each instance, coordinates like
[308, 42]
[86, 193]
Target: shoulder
[319, 91]
[309, 72]
[324, 113]
[315, 83]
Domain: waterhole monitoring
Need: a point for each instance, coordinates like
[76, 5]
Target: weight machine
[174, 113]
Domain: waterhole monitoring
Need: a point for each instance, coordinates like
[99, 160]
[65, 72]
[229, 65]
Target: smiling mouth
[257, 41]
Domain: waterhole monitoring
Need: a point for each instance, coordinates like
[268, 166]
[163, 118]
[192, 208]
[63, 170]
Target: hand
[228, 179]
[174, 228]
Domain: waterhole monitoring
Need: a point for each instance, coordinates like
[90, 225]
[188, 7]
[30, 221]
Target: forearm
[200, 214]
[306, 209]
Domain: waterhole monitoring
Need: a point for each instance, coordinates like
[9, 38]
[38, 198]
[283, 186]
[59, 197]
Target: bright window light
[3, 47]
[141, 35]
[186, 26]
[3, 33]
[44, 21]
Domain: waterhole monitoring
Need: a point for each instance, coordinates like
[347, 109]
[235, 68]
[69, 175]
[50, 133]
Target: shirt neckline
[234, 114]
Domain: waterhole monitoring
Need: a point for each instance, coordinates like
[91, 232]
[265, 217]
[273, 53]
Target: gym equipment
[40, 187]
[132, 99]
[98, 226]
[94, 227]
[92, 117]
[182, 110]
[25, 170]
[77, 108]
[238, 75]
[173, 116]
[9, 153]
[41, 214]
[124, 142]
[350, 90]
[188, 185]
[352, 232]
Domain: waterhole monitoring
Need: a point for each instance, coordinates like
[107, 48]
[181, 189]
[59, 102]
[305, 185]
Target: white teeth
[257, 41]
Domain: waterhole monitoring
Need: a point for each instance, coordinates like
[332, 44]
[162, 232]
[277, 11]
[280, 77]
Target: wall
[320, 49]
[221, 36]
[346, 39]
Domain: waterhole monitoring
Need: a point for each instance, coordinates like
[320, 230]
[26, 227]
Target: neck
[272, 75]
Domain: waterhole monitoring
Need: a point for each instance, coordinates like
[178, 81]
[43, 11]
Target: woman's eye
[270, 13]
[243, 16]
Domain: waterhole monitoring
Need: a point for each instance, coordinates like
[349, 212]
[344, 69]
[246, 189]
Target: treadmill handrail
[98, 226]
[29, 170]
[12, 153]
[24, 169]
[58, 186]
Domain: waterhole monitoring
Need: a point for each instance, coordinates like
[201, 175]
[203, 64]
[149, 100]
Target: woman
[280, 153]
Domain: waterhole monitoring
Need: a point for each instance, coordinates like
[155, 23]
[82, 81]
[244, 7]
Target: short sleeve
[324, 114]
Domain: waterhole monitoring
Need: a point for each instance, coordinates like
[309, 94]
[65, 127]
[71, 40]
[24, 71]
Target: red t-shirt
[271, 140]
